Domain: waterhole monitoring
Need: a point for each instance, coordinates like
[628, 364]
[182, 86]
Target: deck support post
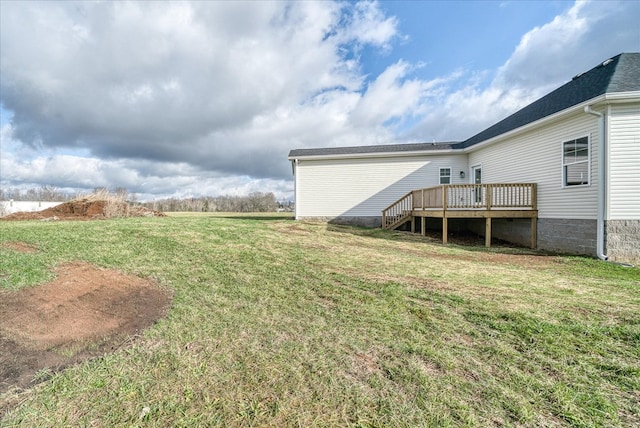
[534, 232]
[445, 221]
[445, 232]
[413, 224]
[423, 226]
[487, 232]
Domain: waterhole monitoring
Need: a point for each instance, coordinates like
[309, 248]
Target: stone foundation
[514, 230]
[366, 221]
[622, 239]
[569, 236]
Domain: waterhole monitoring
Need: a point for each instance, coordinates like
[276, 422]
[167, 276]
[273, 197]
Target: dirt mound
[84, 312]
[86, 209]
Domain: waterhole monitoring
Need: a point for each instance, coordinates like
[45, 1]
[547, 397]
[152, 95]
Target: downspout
[602, 181]
[294, 167]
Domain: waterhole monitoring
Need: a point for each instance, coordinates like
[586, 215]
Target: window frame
[565, 164]
[440, 176]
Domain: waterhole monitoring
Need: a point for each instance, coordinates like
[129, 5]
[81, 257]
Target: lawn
[283, 323]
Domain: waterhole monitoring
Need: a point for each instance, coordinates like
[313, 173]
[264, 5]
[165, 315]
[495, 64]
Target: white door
[476, 178]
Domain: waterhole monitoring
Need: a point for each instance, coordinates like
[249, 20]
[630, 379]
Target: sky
[207, 98]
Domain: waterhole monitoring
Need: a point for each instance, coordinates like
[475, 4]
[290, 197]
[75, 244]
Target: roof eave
[377, 155]
[629, 96]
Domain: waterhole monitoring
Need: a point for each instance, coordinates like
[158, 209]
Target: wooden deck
[488, 201]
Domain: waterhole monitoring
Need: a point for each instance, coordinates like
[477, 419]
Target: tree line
[44, 193]
[254, 202]
[48, 193]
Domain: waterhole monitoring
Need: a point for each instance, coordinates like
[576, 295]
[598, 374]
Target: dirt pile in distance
[86, 209]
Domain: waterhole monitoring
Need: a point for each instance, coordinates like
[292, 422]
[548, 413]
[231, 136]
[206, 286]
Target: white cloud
[173, 82]
[367, 24]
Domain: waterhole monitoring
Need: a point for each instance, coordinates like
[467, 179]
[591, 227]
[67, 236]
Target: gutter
[602, 181]
[435, 152]
[294, 167]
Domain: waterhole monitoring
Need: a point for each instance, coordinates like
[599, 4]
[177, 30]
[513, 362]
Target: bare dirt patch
[21, 247]
[84, 312]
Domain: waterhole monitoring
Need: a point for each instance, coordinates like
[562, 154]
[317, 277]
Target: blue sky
[447, 35]
[181, 99]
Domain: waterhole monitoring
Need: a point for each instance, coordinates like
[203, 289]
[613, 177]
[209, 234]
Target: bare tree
[254, 202]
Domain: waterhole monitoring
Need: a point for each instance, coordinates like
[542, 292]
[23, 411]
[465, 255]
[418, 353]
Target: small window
[575, 162]
[445, 175]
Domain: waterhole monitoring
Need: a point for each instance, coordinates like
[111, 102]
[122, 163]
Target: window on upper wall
[575, 162]
[445, 175]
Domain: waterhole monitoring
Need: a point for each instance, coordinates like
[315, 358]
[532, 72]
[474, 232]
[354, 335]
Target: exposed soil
[83, 313]
[86, 209]
[21, 247]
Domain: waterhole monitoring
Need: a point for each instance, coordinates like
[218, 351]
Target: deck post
[413, 224]
[534, 232]
[487, 232]
[445, 220]
[534, 196]
[445, 232]
[423, 226]
[444, 197]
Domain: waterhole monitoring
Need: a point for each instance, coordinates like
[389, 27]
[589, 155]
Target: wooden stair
[398, 220]
[398, 213]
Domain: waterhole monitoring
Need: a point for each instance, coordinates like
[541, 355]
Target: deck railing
[398, 211]
[492, 196]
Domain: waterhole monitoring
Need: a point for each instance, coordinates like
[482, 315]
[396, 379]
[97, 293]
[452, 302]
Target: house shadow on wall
[461, 231]
[368, 213]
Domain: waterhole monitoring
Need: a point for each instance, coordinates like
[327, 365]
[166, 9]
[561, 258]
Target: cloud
[27, 168]
[185, 81]
[546, 57]
[366, 24]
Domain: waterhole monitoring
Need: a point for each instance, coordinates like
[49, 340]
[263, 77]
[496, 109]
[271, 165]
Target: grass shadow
[258, 217]
[463, 240]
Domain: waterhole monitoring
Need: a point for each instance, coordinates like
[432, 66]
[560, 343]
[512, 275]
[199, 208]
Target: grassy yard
[281, 323]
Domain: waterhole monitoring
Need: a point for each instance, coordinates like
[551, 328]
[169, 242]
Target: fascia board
[630, 96]
[434, 152]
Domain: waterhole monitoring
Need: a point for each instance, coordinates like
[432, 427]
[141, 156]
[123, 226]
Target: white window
[575, 162]
[445, 175]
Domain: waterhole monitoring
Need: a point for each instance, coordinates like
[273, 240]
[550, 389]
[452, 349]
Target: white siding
[536, 157]
[11, 207]
[364, 187]
[624, 162]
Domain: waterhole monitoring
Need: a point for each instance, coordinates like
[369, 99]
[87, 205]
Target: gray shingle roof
[618, 74]
[385, 148]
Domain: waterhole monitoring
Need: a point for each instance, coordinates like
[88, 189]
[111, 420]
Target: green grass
[282, 323]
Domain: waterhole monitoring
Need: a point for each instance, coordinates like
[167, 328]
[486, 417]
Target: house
[11, 206]
[576, 151]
